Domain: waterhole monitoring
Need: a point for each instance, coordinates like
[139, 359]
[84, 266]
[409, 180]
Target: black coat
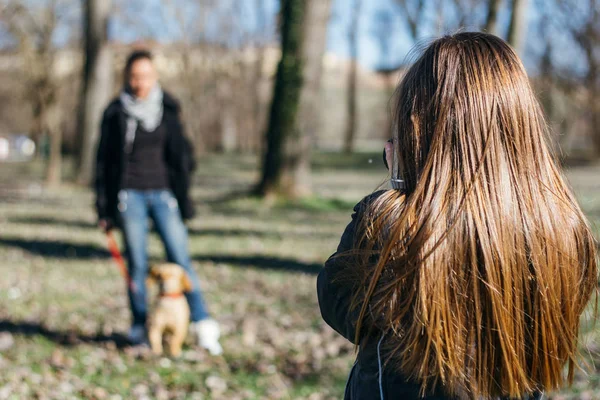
[368, 379]
[334, 301]
[110, 160]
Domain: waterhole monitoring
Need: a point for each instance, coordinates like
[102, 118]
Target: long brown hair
[484, 262]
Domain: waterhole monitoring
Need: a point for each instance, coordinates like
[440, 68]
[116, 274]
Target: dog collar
[171, 295]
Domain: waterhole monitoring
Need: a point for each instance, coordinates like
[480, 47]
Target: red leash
[113, 247]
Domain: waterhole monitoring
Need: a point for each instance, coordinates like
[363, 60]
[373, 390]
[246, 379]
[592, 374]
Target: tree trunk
[589, 41]
[286, 161]
[547, 100]
[518, 25]
[54, 131]
[97, 83]
[491, 23]
[191, 103]
[254, 137]
[351, 98]
[595, 101]
[228, 122]
[309, 117]
[593, 87]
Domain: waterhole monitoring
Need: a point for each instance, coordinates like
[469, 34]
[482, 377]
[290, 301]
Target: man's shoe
[137, 335]
[207, 334]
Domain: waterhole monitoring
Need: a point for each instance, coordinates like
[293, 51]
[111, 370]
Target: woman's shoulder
[369, 200]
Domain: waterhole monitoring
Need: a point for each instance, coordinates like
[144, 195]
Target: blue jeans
[135, 206]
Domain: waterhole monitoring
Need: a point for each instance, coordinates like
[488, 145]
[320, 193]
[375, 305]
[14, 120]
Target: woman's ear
[186, 283]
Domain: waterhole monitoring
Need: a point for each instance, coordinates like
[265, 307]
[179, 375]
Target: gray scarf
[148, 112]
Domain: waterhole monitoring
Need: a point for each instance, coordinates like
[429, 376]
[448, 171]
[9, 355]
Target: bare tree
[352, 80]
[309, 115]
[260, 42]
[491, 23]
[448, 15]
[33, 27]
[191, 17]
[517, 29]
[286, 166]
[136, 16]
[414, 12]
[576, 85]
[97, 82]
[178, 12]
[587, 35]
[380, 31]
[230, 134]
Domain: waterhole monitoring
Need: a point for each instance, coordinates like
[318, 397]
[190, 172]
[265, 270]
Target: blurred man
[143, 169]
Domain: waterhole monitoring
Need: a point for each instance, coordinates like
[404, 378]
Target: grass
[63, 311]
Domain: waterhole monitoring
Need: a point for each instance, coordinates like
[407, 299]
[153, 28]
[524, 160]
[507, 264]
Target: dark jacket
[110, 160]
[368, 379]
[334, 301]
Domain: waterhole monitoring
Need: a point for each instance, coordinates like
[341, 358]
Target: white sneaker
[137, 334]
[207, 333]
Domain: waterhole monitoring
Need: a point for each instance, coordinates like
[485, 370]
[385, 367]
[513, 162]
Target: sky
[383, 36]
[377, 18]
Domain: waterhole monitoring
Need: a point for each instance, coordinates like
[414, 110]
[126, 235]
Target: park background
[273, 197]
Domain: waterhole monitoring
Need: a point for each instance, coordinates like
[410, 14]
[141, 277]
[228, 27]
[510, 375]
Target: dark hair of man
[134, 56]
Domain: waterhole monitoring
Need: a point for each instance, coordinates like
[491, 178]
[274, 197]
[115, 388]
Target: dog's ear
[186, 283]
[153, 275]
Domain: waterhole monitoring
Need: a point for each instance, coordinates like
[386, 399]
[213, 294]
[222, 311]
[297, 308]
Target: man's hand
[105, 224]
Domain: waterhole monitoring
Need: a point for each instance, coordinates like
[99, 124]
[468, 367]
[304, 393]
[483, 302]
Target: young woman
[143, 170]
[468, 279]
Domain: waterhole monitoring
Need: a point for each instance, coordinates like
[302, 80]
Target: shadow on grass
[233, 195]
[24, 199]
[232, 233]
[246, 205]
[36, 220]
[317, 204]
[63, 338]
[296, 215]
[56, 249]
[262, 262]
[241, 233]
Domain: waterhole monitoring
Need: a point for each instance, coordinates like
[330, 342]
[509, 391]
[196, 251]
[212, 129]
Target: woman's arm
[336, 295]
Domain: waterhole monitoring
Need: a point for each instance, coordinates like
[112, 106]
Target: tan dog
[171, 314]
